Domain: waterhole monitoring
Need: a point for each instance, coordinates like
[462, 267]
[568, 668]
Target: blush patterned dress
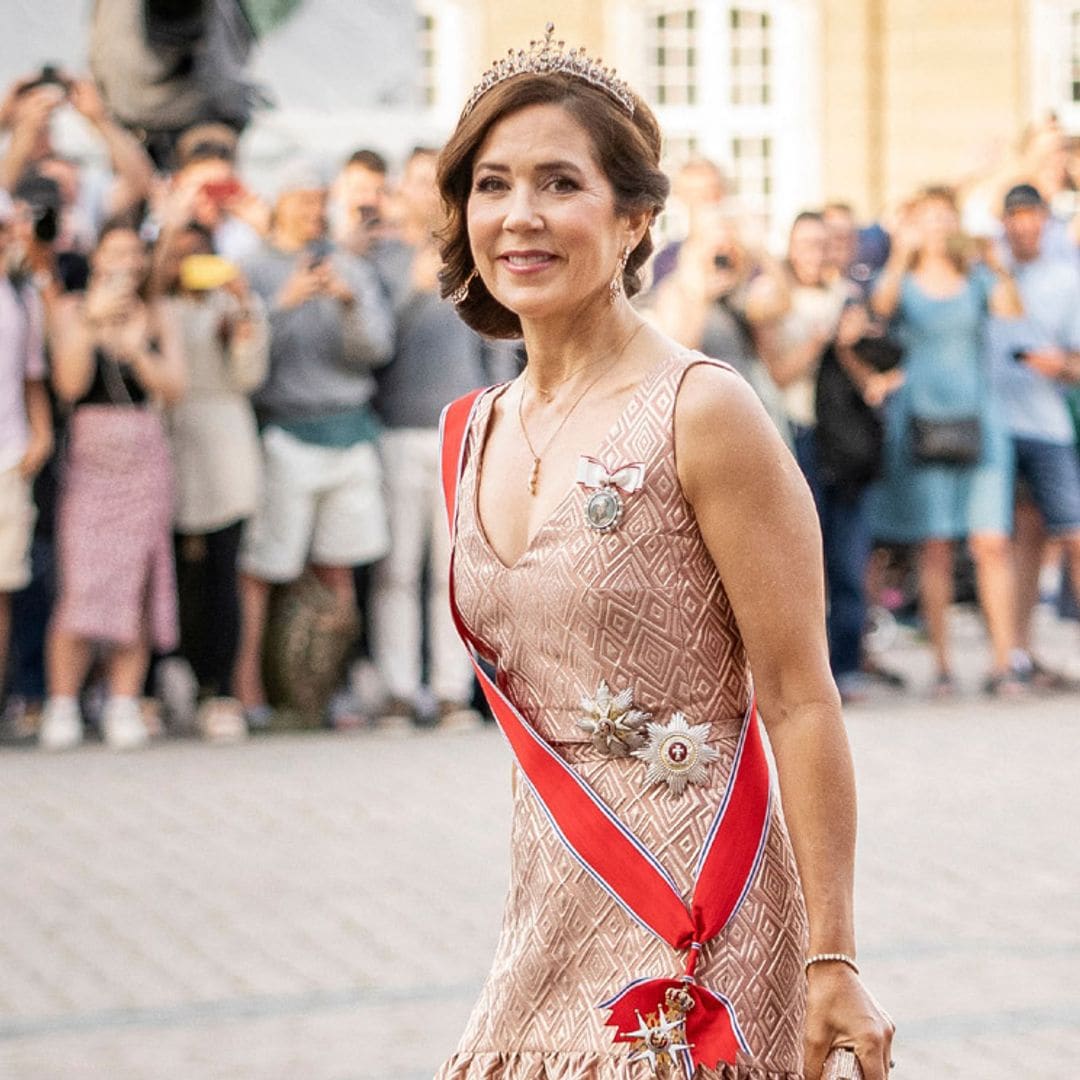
[641, 607]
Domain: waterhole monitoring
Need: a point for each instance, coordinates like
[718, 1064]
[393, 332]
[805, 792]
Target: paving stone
[324, 906]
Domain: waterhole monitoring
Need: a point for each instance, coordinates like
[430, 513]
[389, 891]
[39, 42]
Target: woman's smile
[527, 262]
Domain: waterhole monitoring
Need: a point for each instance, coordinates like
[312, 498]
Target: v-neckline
[644, 385]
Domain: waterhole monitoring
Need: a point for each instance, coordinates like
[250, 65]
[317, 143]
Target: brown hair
[960, 251]
[627, 149]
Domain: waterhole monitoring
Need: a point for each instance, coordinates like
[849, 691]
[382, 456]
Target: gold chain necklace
[549, 394]
[534, 474]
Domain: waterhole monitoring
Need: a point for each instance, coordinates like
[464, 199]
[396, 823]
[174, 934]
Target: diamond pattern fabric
[644, 607]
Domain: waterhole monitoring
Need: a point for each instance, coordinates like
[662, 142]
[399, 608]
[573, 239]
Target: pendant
[677, 754]
[612, 721]
[534, 476]
[603, 509]
[661, 1036]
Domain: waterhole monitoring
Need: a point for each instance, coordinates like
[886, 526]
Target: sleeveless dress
[641, 606]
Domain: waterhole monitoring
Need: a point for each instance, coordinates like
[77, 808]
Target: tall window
[752, 172]
[751, 57]
[735, 81]
[673, 52]
[429, 68]
[1074, 57]
[1055, 60]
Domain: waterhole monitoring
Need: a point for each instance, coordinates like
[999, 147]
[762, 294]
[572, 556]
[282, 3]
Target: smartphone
[201, 273]
[221, 191]
[318, 252]
[369, 215]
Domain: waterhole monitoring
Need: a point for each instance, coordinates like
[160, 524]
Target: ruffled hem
[534, 1065]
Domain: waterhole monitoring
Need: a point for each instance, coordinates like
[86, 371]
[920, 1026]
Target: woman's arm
[72, 341]
[681, 311]
[905, 241]
[758, 521]
[1004, 301]
[789, 363]
[769, 295]
[163, 373]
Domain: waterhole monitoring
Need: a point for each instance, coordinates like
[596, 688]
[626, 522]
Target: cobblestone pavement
[324, 907]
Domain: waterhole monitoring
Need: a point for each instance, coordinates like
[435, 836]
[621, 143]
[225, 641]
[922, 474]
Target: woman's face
[121, 253]
[937, 222]
[542, 222]
[806, 250]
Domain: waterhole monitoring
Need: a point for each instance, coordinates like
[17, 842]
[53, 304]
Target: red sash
[619, 863]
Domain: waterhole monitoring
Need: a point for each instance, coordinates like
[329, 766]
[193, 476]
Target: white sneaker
[61, 724]
[178, 692]
[221, 720]
[122, 724]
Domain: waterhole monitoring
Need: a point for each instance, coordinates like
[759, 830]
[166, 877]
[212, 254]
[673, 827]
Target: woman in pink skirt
[115, 358]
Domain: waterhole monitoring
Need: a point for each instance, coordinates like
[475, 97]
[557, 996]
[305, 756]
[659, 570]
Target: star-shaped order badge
[658, 1040]
[612, 721]
[677, 754]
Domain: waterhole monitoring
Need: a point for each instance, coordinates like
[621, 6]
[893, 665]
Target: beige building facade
[803, 100]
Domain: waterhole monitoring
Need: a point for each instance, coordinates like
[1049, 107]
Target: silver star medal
[659, 1042]
[612, 721]
[677, 754]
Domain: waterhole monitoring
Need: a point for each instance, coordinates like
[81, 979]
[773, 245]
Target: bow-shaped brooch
[604, 506]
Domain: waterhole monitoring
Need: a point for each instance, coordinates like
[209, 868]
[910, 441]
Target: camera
[48, 76]
[42, 195]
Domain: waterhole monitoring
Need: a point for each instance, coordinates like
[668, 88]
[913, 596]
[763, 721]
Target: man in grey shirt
[437, 359]
[330, 325]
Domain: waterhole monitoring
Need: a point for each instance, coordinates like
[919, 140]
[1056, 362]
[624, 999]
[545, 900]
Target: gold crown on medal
[550, 57]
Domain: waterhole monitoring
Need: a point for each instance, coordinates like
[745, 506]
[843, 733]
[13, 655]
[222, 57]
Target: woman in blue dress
[940, 304]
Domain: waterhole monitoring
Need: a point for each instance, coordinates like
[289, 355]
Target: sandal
[944, 687]
[1005, 684]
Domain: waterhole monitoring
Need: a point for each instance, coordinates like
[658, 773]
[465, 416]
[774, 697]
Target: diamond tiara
[550, 57]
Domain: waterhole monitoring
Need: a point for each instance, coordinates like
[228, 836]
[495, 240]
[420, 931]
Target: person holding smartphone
[1037, 362]
[724, 298]
[322, 502]
[116, 355]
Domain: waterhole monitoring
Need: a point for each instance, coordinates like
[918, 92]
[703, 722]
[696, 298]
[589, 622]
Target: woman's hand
[880, 385]
[128, 339]
[840, 1011]
[108, 301]
[304, 284]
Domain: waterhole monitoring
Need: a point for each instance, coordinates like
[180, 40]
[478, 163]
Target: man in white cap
[25, 425]
[330, 324]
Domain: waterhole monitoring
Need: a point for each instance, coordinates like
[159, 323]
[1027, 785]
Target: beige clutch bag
[842, 1064]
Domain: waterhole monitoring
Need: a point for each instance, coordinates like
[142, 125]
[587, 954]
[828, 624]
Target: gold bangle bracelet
[831, 958]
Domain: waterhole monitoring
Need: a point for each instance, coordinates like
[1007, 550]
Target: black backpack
[850, 434]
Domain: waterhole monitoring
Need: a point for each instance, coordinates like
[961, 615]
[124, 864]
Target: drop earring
[458, 296]
[616, 286]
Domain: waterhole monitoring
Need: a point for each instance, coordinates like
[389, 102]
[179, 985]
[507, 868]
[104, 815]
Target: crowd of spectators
[219, 419]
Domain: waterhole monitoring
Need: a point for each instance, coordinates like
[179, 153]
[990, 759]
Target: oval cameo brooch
[606, 487]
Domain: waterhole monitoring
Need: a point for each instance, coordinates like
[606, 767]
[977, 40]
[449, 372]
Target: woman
[114, 356]
[940, 305]
[723, 300]
[216, 455]
[623, 614]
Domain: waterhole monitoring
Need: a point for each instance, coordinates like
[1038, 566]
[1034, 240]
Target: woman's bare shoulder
[722, 430]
